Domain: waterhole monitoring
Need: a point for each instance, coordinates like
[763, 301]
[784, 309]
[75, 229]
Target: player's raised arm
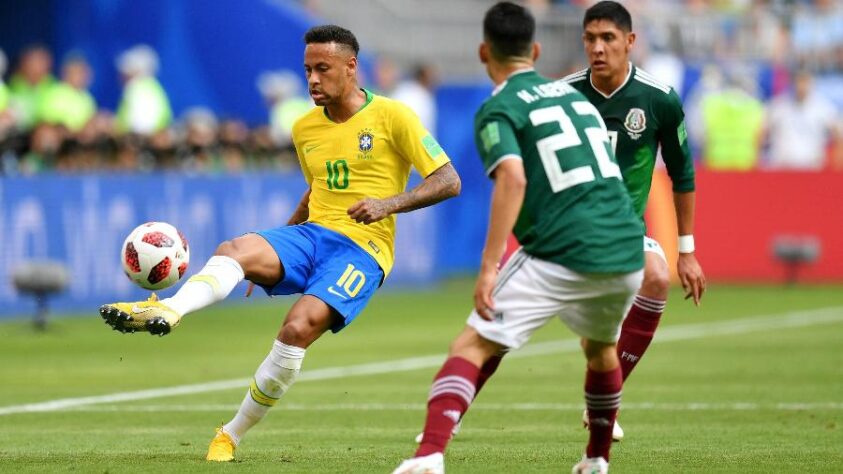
[442, 184]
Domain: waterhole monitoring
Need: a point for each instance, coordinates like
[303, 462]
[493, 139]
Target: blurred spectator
[764, 34]
[801, 127]
[4, 90]
[233, 135]
[7, 120]
[283, 91]
[386, 77]
[818, 35]
[30, 84]
[164, 148]
[653, 53]
[69, 103]
[200, 127]
[44, 147]
[144, 108]
[418, 94]
[732, 119]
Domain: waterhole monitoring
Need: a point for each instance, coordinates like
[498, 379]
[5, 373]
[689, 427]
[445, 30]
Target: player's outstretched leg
[308, 319]
[603, 383]
[452, 392]
[488, 369]
[248, 256]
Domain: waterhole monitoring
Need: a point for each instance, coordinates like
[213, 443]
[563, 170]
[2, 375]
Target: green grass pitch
[752, 381]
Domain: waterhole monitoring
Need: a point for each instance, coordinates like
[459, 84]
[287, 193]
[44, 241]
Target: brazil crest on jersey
[576, 211]
[369, 155]
[641, 115]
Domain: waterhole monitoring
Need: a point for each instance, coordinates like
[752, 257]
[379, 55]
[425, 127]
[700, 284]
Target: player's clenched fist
[368, 210]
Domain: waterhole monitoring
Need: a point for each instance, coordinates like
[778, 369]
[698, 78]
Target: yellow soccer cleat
[221, 448]
[150, 315]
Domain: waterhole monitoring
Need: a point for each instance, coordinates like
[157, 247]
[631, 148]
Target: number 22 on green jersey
[568, 137]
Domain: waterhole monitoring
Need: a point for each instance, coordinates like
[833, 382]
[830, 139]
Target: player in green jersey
[559, 188]
[642, 116]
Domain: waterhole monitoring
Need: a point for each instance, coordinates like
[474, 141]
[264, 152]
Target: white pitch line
[674, 333]
[578, 407]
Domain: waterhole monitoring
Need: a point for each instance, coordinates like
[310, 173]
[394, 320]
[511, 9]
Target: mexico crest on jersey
[635, 123]
[366, 141]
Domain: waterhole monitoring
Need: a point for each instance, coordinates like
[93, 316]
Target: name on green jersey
[545, 91]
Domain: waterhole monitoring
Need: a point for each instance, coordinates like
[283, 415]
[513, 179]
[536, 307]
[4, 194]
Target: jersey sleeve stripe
[500, 160]
[649, 77]
[575, 75]
[576, 79]
[665, 89]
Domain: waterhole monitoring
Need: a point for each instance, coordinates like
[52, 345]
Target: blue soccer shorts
[325, 264]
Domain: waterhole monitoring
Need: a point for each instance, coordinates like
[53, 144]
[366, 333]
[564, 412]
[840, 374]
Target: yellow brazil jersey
[369, 155]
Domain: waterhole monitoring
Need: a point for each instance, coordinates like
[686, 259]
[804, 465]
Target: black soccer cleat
[158, 327]
[118, 320]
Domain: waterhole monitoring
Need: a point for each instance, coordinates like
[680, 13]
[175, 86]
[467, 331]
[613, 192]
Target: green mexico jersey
[640, 116]
[576, 211]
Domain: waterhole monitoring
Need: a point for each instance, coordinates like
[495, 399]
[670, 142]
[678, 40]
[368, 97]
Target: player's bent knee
[296, 333]
[656, 282]
[225, 249]
[257, 258]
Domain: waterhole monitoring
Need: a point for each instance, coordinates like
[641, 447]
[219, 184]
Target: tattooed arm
[444, 183]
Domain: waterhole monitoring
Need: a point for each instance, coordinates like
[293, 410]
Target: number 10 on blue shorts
[325, 264]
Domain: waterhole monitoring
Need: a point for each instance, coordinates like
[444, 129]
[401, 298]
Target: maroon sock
[602, 399]
[488, 370]
[637, 331]
[452, 391]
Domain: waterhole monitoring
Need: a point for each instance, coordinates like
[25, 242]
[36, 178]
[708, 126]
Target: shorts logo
[635, 123]
[366, 141]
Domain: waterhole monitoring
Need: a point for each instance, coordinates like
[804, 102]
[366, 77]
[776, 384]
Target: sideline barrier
[83, 220]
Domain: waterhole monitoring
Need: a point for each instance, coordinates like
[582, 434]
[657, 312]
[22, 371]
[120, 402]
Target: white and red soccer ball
[155, 255]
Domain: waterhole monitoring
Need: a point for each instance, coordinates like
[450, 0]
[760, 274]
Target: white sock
[274, 377]
[213, 283]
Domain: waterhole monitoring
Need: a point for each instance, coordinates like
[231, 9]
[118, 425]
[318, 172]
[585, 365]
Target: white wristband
[686, 244]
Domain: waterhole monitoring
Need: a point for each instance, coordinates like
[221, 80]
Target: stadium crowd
[768, 96]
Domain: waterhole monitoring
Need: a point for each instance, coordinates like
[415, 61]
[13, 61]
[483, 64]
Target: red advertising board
[739, 217]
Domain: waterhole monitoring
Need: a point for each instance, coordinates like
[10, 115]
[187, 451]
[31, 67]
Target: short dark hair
[332, 34]
[611, 11]
[509, 29]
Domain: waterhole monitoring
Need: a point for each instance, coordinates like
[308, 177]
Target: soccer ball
[155, 255]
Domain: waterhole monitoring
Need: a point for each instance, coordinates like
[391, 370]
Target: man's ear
[630, 41]
[483, 52]
[537, 51]
[351, 66]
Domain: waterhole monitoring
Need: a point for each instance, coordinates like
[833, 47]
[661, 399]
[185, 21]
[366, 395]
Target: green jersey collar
[369, 98]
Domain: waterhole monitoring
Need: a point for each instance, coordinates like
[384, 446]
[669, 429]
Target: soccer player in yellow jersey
[356, 150]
